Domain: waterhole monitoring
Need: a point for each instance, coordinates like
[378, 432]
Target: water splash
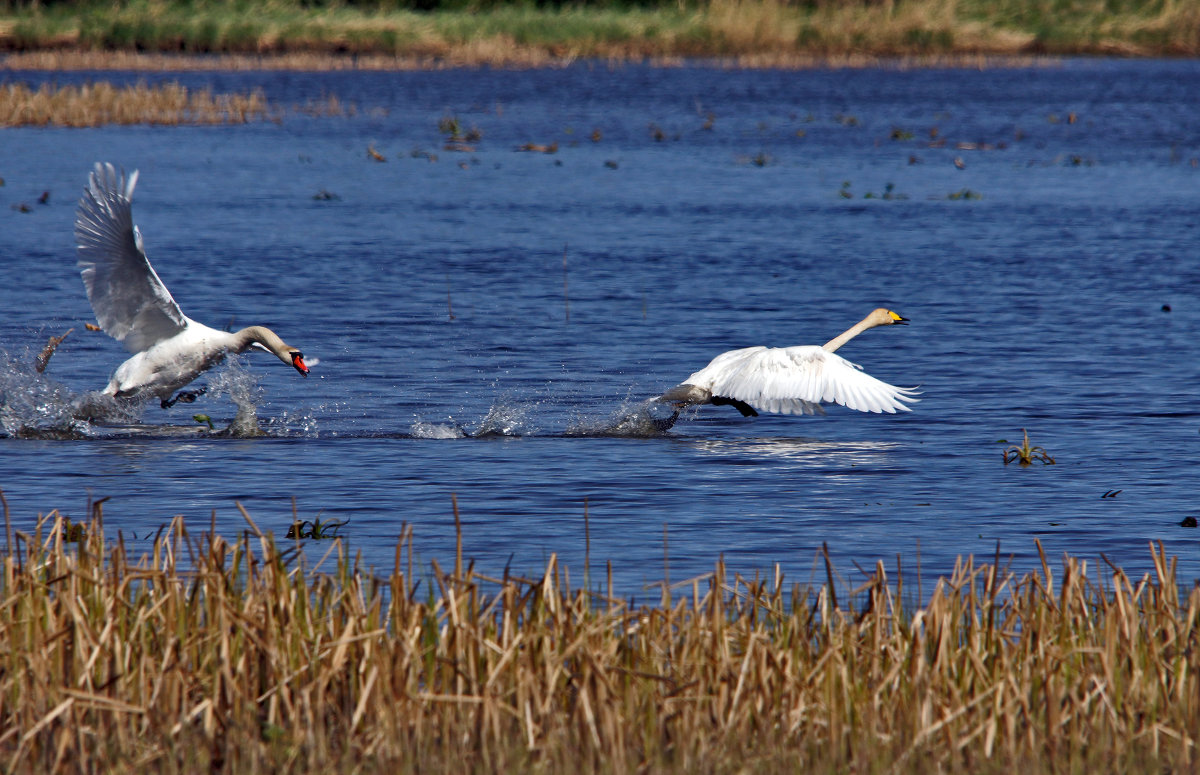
[303, 423]
[243, 389]
[507, 417]
[33, 405]
[640, 419]
[430, 430]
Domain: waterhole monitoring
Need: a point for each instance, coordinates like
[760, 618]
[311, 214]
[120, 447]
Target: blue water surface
[485, 320]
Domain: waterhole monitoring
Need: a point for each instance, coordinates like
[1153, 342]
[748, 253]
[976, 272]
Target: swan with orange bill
[134, 307]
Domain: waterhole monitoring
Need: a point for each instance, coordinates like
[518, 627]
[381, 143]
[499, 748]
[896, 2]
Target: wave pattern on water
[1036, 225]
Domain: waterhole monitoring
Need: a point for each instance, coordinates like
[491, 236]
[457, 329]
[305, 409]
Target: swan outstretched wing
[131, 304]
[796, 380]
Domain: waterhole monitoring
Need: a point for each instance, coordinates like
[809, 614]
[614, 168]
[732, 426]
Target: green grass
[529, 33]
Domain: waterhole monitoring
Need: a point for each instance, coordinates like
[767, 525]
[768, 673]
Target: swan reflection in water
[811, 453]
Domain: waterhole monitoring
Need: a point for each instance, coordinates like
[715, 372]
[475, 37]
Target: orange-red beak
[298, 362]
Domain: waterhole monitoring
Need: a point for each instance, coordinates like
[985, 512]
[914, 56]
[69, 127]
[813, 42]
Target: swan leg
[663, 424]
[666, 423]
[741, 406]
[186, 396]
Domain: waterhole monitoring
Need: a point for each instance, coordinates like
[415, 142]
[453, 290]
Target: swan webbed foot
[184, 396]
[664, 424]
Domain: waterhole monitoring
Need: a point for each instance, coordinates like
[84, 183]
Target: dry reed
[207, 654]
[99, 104]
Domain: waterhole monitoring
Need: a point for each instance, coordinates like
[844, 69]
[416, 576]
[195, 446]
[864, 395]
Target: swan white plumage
[133, 306]
[794, 380]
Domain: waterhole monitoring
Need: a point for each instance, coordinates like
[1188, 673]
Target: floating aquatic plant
[1026, 454]
[889, 193]
[538, 148]
[449, 125]
[73, 532]
[316, 529]
[456, 138]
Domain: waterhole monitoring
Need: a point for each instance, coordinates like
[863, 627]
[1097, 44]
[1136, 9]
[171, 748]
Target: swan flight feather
[794, 380]
[797, 380]
[131, 304]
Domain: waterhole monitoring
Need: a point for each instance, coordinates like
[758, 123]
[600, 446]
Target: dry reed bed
[247, 662]
[100, 104]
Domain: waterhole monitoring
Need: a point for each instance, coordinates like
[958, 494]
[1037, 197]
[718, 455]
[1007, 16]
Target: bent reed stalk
[207, 654]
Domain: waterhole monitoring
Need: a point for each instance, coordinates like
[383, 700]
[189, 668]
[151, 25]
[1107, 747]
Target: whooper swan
[793, 380]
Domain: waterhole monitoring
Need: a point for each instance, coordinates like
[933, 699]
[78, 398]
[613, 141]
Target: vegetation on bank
[490, 31]
[209, 655]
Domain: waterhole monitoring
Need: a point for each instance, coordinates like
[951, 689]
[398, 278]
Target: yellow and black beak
[896, 319]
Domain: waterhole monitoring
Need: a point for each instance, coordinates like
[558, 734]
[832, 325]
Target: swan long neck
[267, 338]
[850, 333]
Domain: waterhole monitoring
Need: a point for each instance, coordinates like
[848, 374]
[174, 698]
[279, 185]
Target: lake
[487, 321]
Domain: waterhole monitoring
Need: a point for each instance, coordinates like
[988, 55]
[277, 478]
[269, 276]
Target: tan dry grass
[209, 655]
[99, 104]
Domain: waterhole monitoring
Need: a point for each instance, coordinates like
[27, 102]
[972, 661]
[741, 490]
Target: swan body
[133, 306]
[794, 380]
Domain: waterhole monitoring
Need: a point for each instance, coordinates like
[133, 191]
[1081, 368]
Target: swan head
[297, 360]
[885, 317]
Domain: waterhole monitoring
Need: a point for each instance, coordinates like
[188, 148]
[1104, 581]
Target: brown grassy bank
[246, 662]
[79, 59]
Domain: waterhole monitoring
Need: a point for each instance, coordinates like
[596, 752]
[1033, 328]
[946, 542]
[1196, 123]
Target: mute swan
[133, 306]
[792, 380]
